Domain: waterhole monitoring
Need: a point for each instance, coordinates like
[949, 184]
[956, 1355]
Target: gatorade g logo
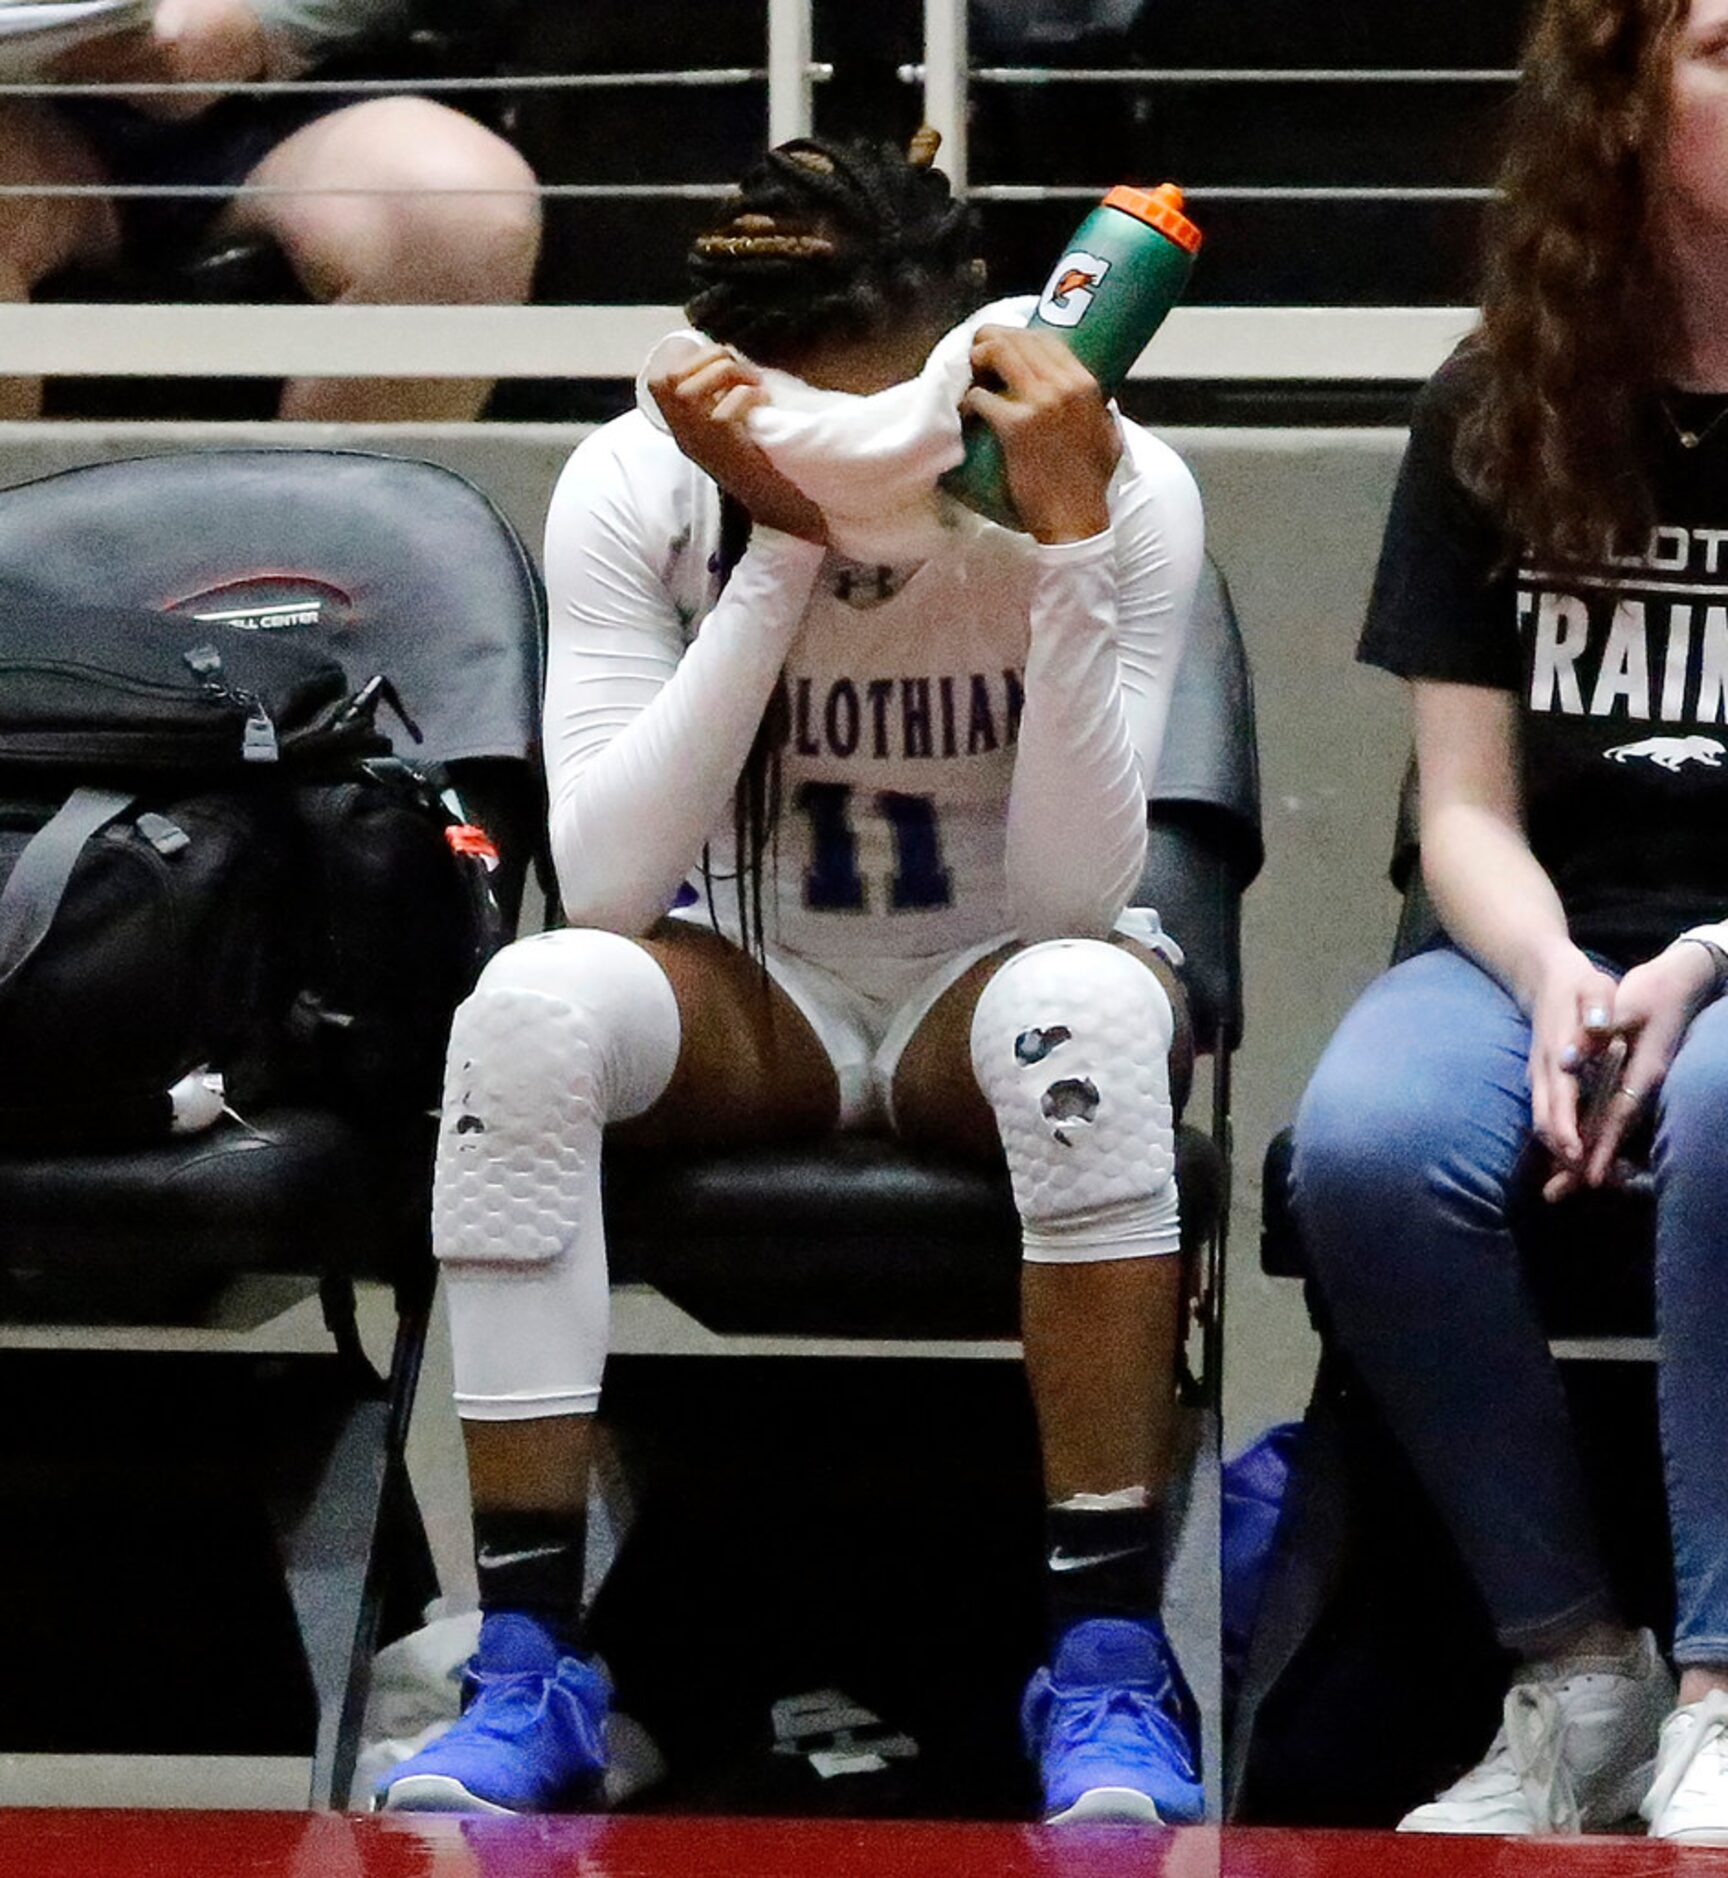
[1071, 289]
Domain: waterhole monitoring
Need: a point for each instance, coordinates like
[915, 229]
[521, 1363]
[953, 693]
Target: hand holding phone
[1599, 1087]
[1600, 1076]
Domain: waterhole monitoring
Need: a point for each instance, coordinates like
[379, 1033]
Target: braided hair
[831, 240]
[826, 240]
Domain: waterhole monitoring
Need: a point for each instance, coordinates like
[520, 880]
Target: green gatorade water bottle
[1124, 270]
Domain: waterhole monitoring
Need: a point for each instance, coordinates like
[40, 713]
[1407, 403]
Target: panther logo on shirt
[1671, 753]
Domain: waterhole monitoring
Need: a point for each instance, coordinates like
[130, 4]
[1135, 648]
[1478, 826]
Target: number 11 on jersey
[833, 883]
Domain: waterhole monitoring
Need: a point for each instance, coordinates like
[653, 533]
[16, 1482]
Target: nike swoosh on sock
[490, 1561]
[1060, 1561]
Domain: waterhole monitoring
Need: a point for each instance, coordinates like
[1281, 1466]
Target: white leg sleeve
[1071, 1046]
[563, 1034]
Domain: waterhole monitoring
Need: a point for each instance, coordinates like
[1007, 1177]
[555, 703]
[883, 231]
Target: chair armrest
[1204, 841]
[1209, 766]
[1190, 878]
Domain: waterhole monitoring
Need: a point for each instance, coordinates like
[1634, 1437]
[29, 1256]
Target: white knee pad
[1071, 1046]
[563, 1033]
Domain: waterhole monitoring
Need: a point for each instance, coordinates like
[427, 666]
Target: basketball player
[841, 844]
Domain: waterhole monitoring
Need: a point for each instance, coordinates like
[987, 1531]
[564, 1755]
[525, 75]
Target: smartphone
[1599, 1082]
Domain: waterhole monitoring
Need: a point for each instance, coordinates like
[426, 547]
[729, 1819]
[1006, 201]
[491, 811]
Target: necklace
[1685, 435]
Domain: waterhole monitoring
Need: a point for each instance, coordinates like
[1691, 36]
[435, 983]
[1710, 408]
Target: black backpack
[209, 861]
[395, 918]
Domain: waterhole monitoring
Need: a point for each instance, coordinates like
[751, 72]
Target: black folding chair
[860, 1247]
[165, 1475]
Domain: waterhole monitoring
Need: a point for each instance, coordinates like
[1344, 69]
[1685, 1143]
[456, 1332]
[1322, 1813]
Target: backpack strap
[32, 895]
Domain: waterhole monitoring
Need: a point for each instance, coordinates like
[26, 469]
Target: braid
[834, 240]
[921, 151]
[756, 796]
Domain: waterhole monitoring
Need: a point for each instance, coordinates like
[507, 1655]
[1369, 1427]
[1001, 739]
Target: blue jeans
[1406, 1146]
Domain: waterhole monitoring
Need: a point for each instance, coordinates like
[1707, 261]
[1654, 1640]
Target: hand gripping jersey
[970, 738]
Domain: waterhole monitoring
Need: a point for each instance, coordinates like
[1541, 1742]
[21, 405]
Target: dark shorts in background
[218, 149]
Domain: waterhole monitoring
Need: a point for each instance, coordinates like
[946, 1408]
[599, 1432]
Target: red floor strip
[43, 1844]
[1259, 1853]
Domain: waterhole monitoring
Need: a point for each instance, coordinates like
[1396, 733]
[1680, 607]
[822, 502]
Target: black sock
[1107, 1563]
[532, 1562]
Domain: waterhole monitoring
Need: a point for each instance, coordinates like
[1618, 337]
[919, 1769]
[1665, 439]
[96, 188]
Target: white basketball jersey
[905, 694]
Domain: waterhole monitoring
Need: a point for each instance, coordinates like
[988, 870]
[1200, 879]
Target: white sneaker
[1688, 1800]
[1574, 1752]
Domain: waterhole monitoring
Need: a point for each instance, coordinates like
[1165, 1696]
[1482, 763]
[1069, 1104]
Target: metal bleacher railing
[1198, 343]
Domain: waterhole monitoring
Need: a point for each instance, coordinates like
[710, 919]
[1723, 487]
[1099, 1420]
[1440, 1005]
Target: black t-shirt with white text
[1621, 672]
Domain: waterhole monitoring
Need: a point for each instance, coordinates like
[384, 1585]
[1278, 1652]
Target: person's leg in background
[1689, 1798]
[39, 235]
[455, 222]
[1064, 1055]
[1407, 1143]
[566, 1034]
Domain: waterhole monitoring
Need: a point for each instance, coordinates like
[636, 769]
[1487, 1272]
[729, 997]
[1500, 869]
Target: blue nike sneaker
[1113, 1728]
[531, 1737]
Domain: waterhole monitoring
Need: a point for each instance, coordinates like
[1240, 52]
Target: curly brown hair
[1578, 317]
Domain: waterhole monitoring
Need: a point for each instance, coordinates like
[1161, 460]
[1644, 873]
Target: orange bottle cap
[1159, 208]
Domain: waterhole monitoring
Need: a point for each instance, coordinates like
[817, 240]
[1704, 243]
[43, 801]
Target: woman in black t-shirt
[1554, 583]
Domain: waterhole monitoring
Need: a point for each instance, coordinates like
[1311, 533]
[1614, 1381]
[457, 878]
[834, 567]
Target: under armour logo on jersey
[861, 587]
[1671, 753]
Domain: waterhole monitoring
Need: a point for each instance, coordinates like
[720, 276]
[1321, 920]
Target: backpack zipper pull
[258, 742]
[364, 704]
[393, 698]
[165, 836]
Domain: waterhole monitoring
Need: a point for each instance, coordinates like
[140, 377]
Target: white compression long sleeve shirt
[647, 727]
[643, 743]
[1108, 618]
